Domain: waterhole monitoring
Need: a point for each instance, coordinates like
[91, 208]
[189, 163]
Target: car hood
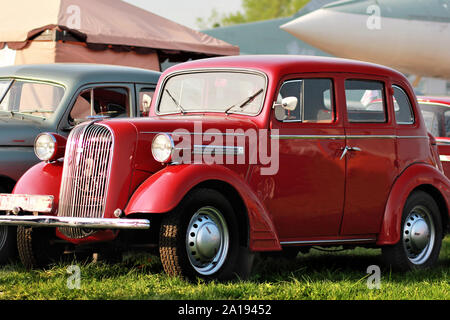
[204, 130]
[17, 132]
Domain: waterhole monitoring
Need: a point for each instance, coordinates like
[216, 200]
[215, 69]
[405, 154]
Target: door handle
[347, 149]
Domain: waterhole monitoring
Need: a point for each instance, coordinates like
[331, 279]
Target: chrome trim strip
[442, 141]
[72, 222]
[295, 136]
[328, 241]
[444, 158]
[195, 133]
[362, 136]
[413, 137]
[220, 150]
[305, 137]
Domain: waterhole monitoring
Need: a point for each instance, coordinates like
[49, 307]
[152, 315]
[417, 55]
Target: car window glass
[402, 107]
[447, 123]
[431, 122]
[145, 100]
[314, 100]
[110, 102]
[365, 101]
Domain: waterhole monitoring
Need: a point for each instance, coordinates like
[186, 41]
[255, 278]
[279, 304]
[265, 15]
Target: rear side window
[402, 107]
[365, 101]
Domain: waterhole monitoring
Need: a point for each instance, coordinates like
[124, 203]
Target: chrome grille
[85, 175]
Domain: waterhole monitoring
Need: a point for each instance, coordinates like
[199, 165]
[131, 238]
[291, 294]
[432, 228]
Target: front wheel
[37, 247]
[421, 235]
[200, 239]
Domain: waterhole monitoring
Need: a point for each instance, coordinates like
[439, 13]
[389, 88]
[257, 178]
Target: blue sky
[186, 12]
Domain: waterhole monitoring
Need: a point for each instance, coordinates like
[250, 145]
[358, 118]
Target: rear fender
[164, 190]
[414, 177]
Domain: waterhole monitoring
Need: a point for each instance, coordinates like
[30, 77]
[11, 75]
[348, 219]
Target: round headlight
[49, 147]
[162, 147]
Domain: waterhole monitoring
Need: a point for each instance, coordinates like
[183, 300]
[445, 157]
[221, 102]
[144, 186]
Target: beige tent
[100, 31]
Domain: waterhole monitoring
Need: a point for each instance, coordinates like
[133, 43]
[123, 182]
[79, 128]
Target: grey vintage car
[55, 98]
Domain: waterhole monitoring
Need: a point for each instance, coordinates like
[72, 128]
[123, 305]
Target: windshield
[30, 98]
[230, 92]
[4, 85]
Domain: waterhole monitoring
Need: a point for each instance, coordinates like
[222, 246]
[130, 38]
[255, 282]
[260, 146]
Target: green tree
[253, 10]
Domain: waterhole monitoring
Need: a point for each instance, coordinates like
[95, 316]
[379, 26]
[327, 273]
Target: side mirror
[146, 102]
[288, 103]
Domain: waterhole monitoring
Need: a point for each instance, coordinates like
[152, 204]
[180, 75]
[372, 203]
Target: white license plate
[29, 203]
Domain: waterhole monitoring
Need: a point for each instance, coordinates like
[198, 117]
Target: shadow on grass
[342, 266]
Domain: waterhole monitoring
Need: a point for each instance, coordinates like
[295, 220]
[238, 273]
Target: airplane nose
[410, 46]
[328, 30]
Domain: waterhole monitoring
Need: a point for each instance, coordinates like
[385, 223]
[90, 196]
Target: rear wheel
[421, 235]
[8, 244]
[200, 239]
[36, 247]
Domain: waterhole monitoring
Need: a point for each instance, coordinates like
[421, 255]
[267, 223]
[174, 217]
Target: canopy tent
[105, 31]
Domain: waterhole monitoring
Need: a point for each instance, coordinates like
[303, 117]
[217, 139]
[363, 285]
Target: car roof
[288, 64]
[79, 73]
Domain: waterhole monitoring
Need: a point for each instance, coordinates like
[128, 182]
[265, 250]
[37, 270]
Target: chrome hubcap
[207, 240]
[418, 235]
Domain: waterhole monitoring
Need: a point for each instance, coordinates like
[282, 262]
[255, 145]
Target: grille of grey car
[85, 176]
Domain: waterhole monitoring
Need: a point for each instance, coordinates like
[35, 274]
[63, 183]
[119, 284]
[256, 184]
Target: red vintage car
[436, 113]
[241, 155]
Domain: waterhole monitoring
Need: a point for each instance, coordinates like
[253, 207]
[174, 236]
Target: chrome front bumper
[72, 222]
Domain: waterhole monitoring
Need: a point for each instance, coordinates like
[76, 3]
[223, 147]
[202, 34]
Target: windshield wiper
[183, 111]
[247, 101]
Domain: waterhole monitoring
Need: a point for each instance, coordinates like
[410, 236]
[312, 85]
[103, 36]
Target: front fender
[414, 176]
[164, 190]
[42, 179]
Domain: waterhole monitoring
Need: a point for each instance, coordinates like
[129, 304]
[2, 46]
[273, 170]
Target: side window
[431, 118]
[447, 123]
[102, 101]
[402, 107]
[365, 101]
[313, 97]
[145, 100]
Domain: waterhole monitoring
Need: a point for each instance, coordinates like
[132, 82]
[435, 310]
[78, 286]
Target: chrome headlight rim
[49, 156]
[169, 141]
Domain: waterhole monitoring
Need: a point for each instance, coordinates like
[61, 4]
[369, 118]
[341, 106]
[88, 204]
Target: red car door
[370, 154]
[307, 196]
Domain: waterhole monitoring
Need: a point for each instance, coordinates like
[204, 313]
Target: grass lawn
[317, 275]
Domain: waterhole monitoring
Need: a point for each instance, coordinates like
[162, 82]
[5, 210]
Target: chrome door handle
[347, 149]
